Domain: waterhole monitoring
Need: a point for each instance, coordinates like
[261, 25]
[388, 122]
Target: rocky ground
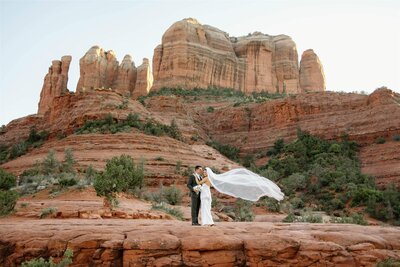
[117, 242]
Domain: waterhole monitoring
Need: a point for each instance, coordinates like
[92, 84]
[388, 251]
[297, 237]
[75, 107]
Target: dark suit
[195, 199]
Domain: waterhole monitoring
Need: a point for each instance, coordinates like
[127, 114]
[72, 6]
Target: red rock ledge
[118, 242]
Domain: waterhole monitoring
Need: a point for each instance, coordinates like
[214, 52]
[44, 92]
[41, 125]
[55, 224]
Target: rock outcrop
[195, 55]
[312, 76]
[144, 79]
[98, 69]
[55, 83]
[126, 77]
[174, 243]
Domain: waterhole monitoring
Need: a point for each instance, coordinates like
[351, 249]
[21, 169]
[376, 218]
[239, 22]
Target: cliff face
[195, 55]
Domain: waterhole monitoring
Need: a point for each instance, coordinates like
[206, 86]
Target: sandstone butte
[194, 55]
[253, 63]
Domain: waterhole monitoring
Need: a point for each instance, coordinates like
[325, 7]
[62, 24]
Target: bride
[239, 183]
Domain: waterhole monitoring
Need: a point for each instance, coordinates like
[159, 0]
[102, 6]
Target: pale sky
[358, 42]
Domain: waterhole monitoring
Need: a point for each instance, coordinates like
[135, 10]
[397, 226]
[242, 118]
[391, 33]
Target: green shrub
[389, 263]
[307, 217]
[210, 109]
[355, 218]
[294, 182]
[18, 150]
[243, 211]
[47, 211]
[50, 164]
[380, 140]
[7, 180]
[297, 203]
[90, 174]
[159, 158]
[272, 205]
[177, 213]
[8, 199]
[67, 259]
[69, 161]
[120, 175]
[228, 151]
[178, 166]
[396, 138]
[67, 182]
[194, 137]
[277, 148]
[173, 195]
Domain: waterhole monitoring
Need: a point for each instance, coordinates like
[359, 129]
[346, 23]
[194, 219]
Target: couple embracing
[238, 183]
[199, 185]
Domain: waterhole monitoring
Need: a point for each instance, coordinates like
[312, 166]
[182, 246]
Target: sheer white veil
[242, 183]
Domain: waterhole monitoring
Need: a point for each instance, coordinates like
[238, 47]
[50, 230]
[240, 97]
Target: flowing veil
[242, 183]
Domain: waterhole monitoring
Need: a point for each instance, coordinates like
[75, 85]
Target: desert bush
[389, 263]
[380, 140]
[277, 148]
[67, 182]
[354, 218]
[90, 174]
[210, 109]
[159, 158]
[228, 151]
[7, 180]
[396, 138]
[294, 182]
[67, 259]
[306, 217]
[177, 213]
[47, 211]
[243, 211]
[178, 167]
[173, 195]
[297, 203]
[69, 161]
[8, 199]
[50, 164]
[120, 175]
[272, 205]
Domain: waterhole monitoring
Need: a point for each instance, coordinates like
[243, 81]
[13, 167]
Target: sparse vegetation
[210, 109]
[389, 263]
[396, 138]
[177, 213]
[173, 195]
[47, 212]
[147, 126]
[67, 259]
[380, 140]
[243, 211]
[354, 218]
[228, 151]
[8, 198]
[235, 95]
[306, 217]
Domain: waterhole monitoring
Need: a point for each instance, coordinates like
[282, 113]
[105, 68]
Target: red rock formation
[312, 76]
[144, 79]
[174, 243]
[195, 55]
[126, 77]
[98, 69]
[55, 83]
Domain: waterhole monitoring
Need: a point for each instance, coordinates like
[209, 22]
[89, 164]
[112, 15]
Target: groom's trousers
[195, 207]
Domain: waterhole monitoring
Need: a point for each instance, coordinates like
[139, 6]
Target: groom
[192, 182]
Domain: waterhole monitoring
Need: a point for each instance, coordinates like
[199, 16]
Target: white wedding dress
[205, 206]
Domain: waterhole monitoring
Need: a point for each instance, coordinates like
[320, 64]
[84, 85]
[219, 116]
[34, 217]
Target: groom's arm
[190, 183]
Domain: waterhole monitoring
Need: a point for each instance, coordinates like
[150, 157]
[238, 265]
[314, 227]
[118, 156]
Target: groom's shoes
[195, 224]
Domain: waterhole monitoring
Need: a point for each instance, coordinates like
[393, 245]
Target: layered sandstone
[126, 77]
[55, 83]
[98, 69]
[173, 243]
[195, 55]
[312, 76]
[144, 79]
